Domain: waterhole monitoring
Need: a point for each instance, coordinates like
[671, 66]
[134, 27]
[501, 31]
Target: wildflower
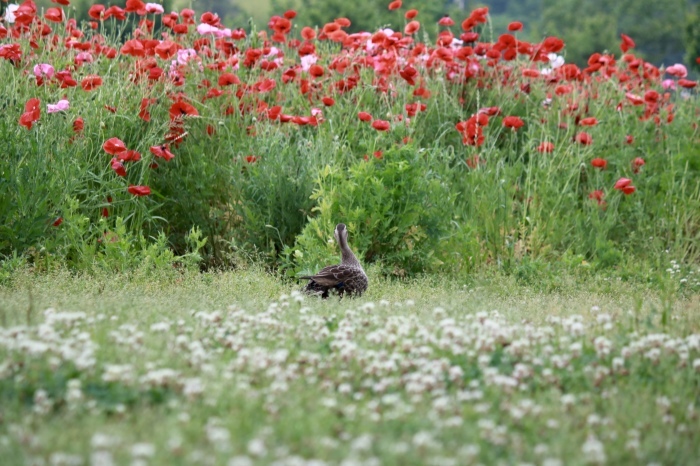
[583, 138]
[181, 109]
[395, 5]
[364, 116]
[625, 185]
[545, 147]
[118, 167]
[139, 190]
[597, 196]
[154, 8]
[54, 15]
[32, 113]
[590, 121]
[513, 122]
[446, 21]
[162, 151]
[380, 125]
[593, 451]
[637, 164]
[60, 106]
[678, 70]
[78, 125]
[627, 43]
[411, 28]
[599, 163]
[44, 70]
[114, 146]
[10, 13]
[91, 82]
[515, 26]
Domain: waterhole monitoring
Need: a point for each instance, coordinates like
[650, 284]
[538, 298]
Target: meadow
[239, 368]
[530, 228]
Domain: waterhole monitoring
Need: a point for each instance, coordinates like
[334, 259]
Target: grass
[417, 372]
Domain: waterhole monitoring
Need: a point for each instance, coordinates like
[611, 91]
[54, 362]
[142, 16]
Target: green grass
[421, 377]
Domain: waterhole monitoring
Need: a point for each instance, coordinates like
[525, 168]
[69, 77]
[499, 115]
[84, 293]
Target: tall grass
[247, 179]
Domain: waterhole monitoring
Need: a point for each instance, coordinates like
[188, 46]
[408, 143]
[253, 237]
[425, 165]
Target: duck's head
[341, 233]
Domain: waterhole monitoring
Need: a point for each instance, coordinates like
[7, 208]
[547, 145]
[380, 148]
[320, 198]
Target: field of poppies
[145, 135]
[142, 146]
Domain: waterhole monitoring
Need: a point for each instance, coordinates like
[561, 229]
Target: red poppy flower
[687, 83]
[629, 139]
[411, 28]
[129, 155]
[546, 147]
[54, 14]
[513, 122]
[395, 5]
[32, 113]
[139, 190]
[162, 151]
[625, 185]
[181, 109]
[515, 26]
[227, 79]
[446, 21]
[57, 222]
[590, 121]
[308, 33]
[627, 43]
[290, 14]
[651, 96]
[78, 125]
[251, 159]
[328, 101]
[637, 164]
[118, 167]
[96, 11]
[599, 163]
[316, 71]
[414, 108]
[381, 125]
[114, 146]
[634, 99]
[364, 116]
[597, 195]
[410, 14]
[91, 82]
[584, 138]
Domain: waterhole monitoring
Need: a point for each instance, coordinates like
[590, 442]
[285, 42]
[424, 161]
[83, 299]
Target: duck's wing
[333, 275]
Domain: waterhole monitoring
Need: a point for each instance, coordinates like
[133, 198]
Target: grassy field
[236, 368]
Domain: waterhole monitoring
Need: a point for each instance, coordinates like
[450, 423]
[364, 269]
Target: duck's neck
[346, 254]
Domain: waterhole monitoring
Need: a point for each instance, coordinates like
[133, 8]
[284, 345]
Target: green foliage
[398, 211]
[365, 15]
[692, 38]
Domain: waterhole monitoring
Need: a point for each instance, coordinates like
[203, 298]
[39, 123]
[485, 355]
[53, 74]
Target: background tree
[692, 38]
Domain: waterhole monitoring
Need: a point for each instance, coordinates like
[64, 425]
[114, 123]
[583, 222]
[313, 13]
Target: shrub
[398, 211]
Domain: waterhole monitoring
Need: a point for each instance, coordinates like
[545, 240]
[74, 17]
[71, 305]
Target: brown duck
[348, 277]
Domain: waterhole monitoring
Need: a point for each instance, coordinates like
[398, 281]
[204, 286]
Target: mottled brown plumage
[348, 277]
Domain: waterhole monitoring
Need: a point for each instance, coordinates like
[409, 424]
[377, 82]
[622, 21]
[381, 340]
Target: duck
[346, 278]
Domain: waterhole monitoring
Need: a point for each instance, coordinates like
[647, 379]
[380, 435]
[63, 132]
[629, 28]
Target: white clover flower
[593, 450]
[256, 447]
[65, 459]
[143, 450]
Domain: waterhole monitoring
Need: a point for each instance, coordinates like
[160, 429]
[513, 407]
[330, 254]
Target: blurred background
[665, 31]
